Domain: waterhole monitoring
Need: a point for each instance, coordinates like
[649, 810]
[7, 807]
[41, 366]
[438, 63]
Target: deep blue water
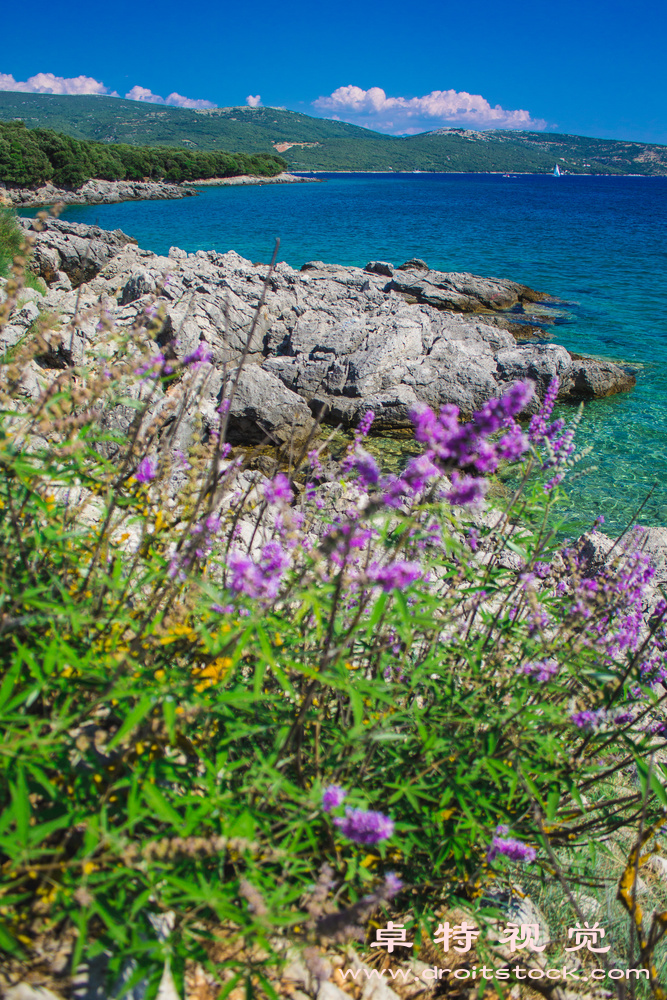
[598, 243]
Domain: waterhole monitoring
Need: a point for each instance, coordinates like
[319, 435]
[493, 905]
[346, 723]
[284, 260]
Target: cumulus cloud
[253, 102]
[178, 101]
[144, 94]
[47, 83]
[373, 109]
[173, 100]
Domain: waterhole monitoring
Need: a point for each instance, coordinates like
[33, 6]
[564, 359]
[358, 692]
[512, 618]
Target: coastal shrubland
[30, 157]
[253, 697]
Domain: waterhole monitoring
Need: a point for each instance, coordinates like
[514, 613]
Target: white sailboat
[556, 171]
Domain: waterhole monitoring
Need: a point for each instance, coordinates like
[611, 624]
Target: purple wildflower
[541, 670]
[394, 491]
[395, 576]
[513, 444]
[202, 355]
[146, 470]
[259, 580]
[587, 719]
[366, 466]
[418, 473]
[538, 429]
[365, 827]
[278, 490]
[365, 424]
[515, 850]
[466, 490]
[623, 718]
[332, 797]
[315, 463]
[153, 367]
[392, 885]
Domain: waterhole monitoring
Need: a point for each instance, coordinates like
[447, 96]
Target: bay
[597, 243]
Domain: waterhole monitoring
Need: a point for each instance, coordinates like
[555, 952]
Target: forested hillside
[309, 143]
[30, 157]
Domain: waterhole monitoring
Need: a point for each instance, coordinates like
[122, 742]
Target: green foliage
[34, 156]
[167, 739]
[11, 240]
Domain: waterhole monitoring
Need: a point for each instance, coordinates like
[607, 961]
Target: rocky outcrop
[262, 409]
[464, 292]
[68, 250]
[328, 340]
[93, 192]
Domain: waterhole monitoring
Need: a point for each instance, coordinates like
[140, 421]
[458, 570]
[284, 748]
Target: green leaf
[137, 715]
[163, 809]
[9, 944]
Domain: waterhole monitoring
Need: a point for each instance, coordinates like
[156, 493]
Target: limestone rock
[589, 378]
[460, 292]
[80, 251]
[94, 192]
[263, 410]
[339, 340]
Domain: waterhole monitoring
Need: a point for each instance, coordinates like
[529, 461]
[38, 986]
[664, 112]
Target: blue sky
[566, 65]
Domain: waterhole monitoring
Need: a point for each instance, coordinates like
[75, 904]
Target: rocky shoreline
[96, 192]
[330, 341]
[93, 192]
[243, 179]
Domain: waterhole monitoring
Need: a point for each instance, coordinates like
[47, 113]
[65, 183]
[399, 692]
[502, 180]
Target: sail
[556, 171]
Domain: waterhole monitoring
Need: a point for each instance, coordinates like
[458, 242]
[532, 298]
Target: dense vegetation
[337, 145]
[258, 707]
[33, 156]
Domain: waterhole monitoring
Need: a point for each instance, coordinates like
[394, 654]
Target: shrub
[327, 680]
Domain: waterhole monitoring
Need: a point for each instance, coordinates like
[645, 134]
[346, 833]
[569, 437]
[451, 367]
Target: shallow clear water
[596, 242]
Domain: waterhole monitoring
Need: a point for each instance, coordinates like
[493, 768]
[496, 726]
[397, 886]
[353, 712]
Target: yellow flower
[213, 672]
[89, 868]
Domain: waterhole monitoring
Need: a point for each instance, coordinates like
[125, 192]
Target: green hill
[308, 143]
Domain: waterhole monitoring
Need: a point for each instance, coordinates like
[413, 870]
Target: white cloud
[178, 101]
[144, 94]
[174, 100]
[253, 102]
[47, 83]
[373, 109]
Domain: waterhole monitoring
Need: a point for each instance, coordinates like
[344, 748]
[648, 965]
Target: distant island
[316, 144]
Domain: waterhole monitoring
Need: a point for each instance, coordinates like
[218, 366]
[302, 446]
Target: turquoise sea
[597, 243]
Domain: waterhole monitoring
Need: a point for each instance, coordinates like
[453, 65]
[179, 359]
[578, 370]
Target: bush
[327, 682]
